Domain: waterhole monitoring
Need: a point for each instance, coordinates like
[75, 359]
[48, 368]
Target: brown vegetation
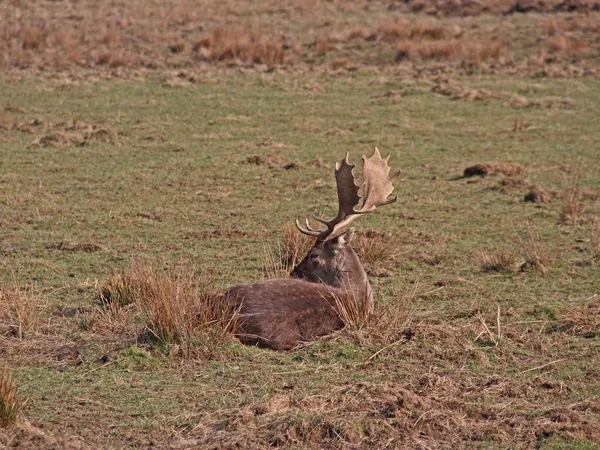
[465, 52]
[248, 46]
[11, 406]
[503, 261]
[20, 311]
[177, 310]
[533, 251]
[572, 206]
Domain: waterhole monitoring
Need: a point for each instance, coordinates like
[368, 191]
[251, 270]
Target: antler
[377, 186]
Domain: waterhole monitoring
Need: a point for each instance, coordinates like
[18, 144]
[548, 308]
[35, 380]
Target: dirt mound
[484, 169]
[538, 195]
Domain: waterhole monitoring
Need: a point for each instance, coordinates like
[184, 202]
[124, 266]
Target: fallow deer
[282, 313]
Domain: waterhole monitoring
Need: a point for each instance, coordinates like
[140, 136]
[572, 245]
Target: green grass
[177, 189]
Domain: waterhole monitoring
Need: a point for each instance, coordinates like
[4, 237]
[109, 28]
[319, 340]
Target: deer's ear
[342, 241]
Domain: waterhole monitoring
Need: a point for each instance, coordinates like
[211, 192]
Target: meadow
[171, 149]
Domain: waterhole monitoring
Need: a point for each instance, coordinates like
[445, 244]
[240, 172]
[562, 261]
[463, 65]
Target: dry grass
[20, 311]
[178, 309]
[465, 52]
[377, 251]
[572, 206]
[596, 237]
[533, 251]
[573, 47]
[353, 310]
[504, 261]
[11, 406]
[291, 249]
[582, 320]
[239, 44]
[393, 31]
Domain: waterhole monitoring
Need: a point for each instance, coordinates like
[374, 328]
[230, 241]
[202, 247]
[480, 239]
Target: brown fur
[280, 314]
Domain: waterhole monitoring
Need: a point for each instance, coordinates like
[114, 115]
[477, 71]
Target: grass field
[487, 325]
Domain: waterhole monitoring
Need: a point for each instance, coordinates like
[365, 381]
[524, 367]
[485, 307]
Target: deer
[283, 313]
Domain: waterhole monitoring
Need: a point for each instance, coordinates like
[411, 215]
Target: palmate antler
[377, 186]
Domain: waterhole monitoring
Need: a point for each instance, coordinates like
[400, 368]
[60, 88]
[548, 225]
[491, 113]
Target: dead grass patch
[59, 139]
[573, 47]
[533, 251]
[571, 206]
[377, 251]
[291, 249]
[11, 406]
[270, 160]
[582, 320]
[455, 92]
[503, 261]
[485, 169]
[179, 310]
[466, 52]
[245, 45]
[20, 311]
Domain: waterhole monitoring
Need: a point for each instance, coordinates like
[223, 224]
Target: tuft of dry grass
[377, 251]
[533, 251]
[353, 310]
[245, 45]
[20, 311]
[290, 250]
[178, 309]
[504, 261]
[582, 320]
[572, 206]
[466, 52]
[11, 406]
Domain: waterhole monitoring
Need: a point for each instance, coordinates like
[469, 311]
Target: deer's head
[328, 261]
[331, 260]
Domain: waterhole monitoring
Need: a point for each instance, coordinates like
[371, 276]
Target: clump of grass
[582, 320]
[11, 406]
[533, 251]
[248, 46]
[572, 206]
[20, 311]
[353, 310]
[178, 308]
[377, 251]
[291, 249]
[504, 261]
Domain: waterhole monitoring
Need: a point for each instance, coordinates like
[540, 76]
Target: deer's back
[282, 313]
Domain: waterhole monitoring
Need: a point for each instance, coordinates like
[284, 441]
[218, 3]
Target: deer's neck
[352, 276]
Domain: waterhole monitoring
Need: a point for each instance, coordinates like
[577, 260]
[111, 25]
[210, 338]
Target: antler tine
[309, 232]
[377, 186]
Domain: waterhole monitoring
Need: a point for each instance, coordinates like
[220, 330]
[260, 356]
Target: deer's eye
[314, 257]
